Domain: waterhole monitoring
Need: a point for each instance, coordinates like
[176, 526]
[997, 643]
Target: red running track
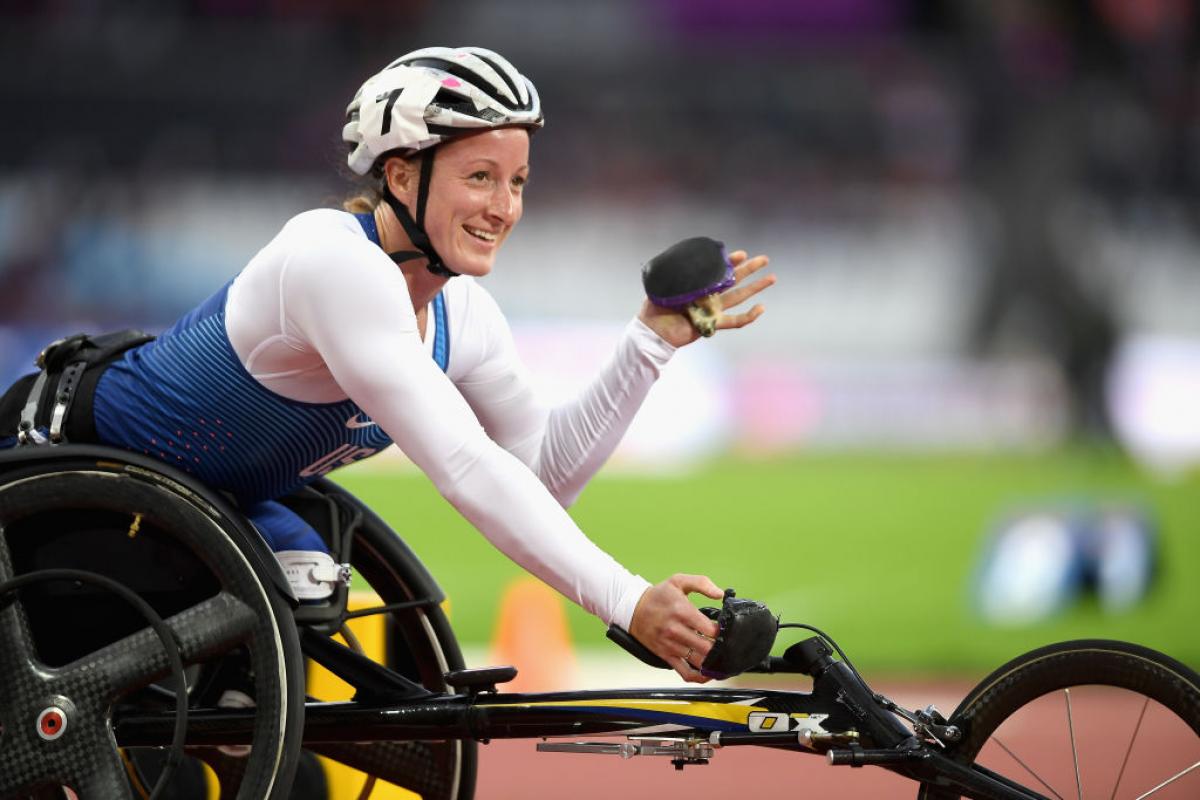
[1104, 725]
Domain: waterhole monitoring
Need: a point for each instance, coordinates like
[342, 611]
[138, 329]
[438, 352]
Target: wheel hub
[52, 721]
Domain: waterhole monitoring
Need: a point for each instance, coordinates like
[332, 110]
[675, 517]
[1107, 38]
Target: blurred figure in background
[1074, 100]
[1058, 134]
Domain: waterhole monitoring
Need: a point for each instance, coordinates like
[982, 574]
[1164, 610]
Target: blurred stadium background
[982, 214]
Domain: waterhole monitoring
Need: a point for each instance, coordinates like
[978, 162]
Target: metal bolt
[51, 723]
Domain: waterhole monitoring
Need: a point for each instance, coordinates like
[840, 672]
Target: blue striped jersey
[187, 399]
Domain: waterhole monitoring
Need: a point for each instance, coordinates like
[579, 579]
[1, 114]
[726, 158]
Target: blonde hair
[363, 202]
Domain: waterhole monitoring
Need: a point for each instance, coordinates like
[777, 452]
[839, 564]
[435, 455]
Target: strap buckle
[67, 384]
[27, 432]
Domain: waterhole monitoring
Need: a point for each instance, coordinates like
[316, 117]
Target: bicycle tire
[1037, 675]
[423, 647]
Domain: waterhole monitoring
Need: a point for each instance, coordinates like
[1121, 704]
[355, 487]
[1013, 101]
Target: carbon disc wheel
[92, 656]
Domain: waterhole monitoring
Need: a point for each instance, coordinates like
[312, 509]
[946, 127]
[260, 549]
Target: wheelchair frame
[401, 720]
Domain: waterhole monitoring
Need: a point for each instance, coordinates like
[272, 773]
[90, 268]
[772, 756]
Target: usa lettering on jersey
[339, 457]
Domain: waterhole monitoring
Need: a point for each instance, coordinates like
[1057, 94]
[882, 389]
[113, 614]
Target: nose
[504, 204]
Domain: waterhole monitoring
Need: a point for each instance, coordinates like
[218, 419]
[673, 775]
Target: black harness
[58, 398]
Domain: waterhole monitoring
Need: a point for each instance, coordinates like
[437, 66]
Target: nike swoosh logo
[355, 422]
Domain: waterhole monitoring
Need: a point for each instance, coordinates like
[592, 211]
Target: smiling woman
[351, 330]
[474, 196]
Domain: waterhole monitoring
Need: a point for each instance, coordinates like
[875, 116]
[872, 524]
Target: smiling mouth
[481, 235]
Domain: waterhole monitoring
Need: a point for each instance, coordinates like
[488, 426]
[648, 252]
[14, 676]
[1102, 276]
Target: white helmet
[433, 94]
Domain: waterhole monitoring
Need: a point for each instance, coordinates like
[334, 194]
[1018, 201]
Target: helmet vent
[458, 71]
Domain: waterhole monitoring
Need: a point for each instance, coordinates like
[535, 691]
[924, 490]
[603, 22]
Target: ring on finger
[688, 657]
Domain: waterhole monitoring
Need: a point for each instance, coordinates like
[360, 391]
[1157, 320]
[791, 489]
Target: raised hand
[677, 329]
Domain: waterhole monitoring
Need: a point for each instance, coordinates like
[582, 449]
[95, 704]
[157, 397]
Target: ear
[402, 175]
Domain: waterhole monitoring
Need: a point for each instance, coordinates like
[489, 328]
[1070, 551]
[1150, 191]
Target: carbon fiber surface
[85, 756]
[84, 752]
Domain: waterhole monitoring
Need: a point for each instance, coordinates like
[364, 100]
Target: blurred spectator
[1061, 133]
[1037, 72]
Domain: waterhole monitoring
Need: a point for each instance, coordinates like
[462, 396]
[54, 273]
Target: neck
[423, 285]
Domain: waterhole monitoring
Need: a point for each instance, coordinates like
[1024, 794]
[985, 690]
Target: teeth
[487, 237]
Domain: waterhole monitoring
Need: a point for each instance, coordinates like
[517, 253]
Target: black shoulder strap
[89, 349]
[77, 361]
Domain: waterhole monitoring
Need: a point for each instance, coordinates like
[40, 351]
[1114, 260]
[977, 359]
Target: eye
[520, 181]
[480, 175]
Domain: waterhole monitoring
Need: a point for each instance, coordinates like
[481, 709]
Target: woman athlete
[350, 331]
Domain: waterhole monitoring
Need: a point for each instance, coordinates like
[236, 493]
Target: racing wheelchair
[132, 599]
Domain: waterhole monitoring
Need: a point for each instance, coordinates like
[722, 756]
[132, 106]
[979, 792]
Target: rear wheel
[1085, 719]
[140, 530]
[420, 644]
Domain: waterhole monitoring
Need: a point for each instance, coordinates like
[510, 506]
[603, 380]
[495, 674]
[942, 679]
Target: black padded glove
[747, 633]
[687, 276]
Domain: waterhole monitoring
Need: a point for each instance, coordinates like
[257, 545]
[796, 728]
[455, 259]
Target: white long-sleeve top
[322, 315]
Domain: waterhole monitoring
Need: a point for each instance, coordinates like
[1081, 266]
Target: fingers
[743, 268]
[697, 625]
[690, 644]
[688, 665]
[690, 673]
[687, 649]
[666, 621]
[742, 292]
[696, 583]
[708, 588]
[739, 294]
[740, 320]
[691, 634]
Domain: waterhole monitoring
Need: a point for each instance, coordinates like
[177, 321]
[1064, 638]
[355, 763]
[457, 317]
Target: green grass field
[877, 550]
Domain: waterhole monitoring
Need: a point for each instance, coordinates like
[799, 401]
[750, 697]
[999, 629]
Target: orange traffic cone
[531, 634]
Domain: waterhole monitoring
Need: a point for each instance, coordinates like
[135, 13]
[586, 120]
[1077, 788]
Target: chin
[474, 266]
[470, 270]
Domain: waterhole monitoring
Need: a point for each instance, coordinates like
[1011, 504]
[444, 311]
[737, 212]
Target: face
[475, 197]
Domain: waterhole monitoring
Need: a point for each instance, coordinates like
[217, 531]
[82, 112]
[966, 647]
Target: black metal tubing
[445, 718]
[460, 716]
[973, 780]
[838, 680]
[371, 680]
[519, 716]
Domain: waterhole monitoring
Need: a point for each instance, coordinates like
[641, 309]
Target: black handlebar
[635, 648]
[770, 665]
[813, 657]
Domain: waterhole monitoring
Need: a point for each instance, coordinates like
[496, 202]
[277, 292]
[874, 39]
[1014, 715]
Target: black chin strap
[416, 228]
